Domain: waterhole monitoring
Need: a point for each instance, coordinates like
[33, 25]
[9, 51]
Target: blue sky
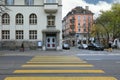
[94, 5]
[96, 1]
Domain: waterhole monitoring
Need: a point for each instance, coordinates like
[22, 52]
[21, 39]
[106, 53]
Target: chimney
[87, 7]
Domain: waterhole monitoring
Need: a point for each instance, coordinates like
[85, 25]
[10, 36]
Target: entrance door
[51, 43]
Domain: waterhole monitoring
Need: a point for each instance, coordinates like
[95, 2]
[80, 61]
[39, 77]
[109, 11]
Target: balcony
[72, 33]
[50, 7]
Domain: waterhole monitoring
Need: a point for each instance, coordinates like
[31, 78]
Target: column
[58, 41]
[43, 39]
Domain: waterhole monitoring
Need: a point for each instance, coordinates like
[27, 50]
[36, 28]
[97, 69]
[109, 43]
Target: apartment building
[34, 23]
[77, 26]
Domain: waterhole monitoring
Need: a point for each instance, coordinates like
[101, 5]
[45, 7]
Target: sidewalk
[72, 51]
[30, 53]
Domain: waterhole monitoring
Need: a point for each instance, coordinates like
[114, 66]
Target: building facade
[77, 26]
[35, 23]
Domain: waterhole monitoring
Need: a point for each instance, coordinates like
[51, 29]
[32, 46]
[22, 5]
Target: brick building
[77, 26]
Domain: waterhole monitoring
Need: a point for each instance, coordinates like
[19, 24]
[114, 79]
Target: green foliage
[110, 21]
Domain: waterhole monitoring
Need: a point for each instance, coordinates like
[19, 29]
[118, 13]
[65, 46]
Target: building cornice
[26, 5]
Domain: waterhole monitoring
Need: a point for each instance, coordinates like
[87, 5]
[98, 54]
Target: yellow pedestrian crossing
[56, 59]
[52, 62]
[61, 78]
[58, 71]
[58, 65]
[58, 62]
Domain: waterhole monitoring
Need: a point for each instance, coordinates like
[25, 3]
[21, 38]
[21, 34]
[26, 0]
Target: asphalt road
[107, 64]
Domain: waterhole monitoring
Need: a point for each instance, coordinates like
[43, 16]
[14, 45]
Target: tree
[104, 20]
[116, 20]
[98, 32]
[110, 21]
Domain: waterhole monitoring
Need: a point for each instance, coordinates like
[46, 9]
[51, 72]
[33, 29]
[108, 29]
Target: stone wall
[16, 45]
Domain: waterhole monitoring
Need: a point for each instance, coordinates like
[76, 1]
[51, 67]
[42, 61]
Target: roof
[79, 10]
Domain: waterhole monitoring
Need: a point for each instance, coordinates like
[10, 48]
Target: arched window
[33, 19]
[5, 19]
[9, 2]
[29, 2]
[19, 19]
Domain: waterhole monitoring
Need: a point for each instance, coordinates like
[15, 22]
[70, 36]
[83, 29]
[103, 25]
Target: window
[51, 20]
[5, 34]
[5, 19]
[33, 19]
[50, 1]
[79, 27]
[84, 18]
[29, 2]
[19, 34]
[78, 18]
[33, 34]
[19, 19]
[89, 19]
[84, 27]
[9, 2]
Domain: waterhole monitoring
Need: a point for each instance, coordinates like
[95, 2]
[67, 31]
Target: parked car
[82, 46]
[66, 46]
[94, 46]
[85, 46]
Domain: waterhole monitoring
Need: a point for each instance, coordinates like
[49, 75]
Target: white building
[30, 22]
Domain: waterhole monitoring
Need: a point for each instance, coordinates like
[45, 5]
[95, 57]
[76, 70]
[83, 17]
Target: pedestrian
[22, 47]
[110, 46]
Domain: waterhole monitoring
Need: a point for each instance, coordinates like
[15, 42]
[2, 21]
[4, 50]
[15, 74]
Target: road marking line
[57, 62]
[60, 78]
[58, 71]
[56, 58]
[48, 65]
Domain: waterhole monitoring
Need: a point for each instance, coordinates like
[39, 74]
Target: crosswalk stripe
[68, 56]
[58, 71]
[57, 57]
[60, 78]
[57, 62]
[54, 65]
